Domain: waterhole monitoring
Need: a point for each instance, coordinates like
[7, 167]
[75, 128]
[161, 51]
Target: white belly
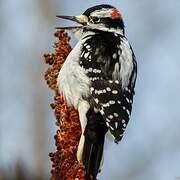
[72, 80]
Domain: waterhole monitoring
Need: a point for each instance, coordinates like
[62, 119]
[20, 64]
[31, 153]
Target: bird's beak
[82, 19]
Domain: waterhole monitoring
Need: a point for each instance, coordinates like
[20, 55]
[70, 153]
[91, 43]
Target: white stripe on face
[104, 12]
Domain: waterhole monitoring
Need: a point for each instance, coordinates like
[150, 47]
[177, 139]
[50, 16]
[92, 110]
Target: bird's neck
[83, 32]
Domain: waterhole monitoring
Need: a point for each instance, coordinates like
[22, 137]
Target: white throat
[79, 33]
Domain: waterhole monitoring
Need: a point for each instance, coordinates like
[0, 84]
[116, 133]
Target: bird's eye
[94, 19]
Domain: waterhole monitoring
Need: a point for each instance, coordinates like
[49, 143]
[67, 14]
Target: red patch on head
[116, 14]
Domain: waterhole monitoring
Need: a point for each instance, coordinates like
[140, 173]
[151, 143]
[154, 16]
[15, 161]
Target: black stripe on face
[112, 23]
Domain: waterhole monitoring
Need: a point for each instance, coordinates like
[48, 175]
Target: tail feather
[94, 143]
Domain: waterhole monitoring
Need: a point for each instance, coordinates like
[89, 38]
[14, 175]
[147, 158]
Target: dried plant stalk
[64, 162]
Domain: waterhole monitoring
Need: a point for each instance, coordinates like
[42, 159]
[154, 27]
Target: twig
[64, 162]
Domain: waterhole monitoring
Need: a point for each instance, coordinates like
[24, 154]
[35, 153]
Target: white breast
[72, 80]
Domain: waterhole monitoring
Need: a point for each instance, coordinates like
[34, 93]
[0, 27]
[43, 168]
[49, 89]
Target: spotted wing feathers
[109, 62]
[114, 104]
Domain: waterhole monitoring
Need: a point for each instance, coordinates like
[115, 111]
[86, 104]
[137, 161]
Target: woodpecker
[98, 79]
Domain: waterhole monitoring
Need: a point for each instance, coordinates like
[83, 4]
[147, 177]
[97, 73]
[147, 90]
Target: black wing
[110, 64]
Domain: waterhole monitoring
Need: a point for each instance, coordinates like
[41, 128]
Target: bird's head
[101, 17]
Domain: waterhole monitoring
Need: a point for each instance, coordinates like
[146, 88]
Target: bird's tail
[94, 143]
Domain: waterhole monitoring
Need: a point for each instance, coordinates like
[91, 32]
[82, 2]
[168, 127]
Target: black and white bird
[98, 79]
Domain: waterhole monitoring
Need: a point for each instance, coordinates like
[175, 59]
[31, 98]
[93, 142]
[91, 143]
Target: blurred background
[151, 145]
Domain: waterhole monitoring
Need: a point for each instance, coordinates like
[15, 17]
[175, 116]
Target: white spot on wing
[116, 71]
[112, 102]
[82, 54]
[116, 125]
[90, 69]
[128, 112]
[119, 52]
[115, 92]
[123, 121]
[88, 46]
[111, 128]
[96, 100]
[114, 56]
[126, 88]
[108, 120]
[106, 105]
[86, 55]
[108, 89]
[100, 91]
[89, 57]
[110, 116]
[102, 111]
[116, 114]
[107, 123]
[91, 89]
[119, 102]
[127, 99]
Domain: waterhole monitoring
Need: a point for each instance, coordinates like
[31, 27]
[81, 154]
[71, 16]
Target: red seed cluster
[64, 162]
